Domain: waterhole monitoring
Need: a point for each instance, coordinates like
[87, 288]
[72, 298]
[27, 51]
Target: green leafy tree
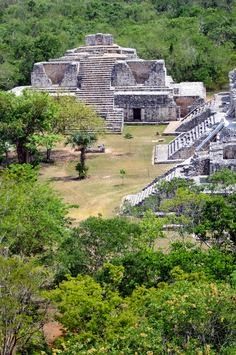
[33, 217]
[149, 268]
[209, 217]
[122, 175]
[24, 116]
[217, 222]
[191, 316]
[196, 38]
[152, 228]
[185, 316]
[224, 179]
[22, 306]
[4, 151]
[86, 305]
[74, 115]
[82, 140]
[96, 241]
[47, 141]
[187, 207]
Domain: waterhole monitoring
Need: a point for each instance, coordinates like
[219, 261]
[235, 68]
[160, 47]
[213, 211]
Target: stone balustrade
[197, 111]
[188, 139]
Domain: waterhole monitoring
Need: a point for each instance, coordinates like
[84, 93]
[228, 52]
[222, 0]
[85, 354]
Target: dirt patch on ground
[52, 331]
[64, 155]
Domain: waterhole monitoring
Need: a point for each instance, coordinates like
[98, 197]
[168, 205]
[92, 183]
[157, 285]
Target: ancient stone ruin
[117, 83]
[205, 143]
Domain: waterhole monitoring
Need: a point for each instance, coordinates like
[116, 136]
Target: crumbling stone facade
[59, 74]
[222, 152]
[232, 84]
[205, 143]
[118, 84]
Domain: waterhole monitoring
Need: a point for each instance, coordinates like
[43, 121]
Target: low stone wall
[222, 155]
[99, 39]
[153, 108]
[183, 153]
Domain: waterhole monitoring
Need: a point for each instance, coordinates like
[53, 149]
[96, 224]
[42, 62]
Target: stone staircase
[191, 138]
[197, 138]
[197, 111]
[152, 188]
[197, 115]
[57, 90]
[96, 90]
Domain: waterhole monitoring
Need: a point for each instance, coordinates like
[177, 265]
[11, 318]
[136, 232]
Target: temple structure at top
[119, 85]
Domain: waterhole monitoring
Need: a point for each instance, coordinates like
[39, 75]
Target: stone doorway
[137, 114]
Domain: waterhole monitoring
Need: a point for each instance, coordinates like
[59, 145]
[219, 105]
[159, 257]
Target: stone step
[96, 89]
[97, 99]
[94, 84]
[97, 95]
[100, 77]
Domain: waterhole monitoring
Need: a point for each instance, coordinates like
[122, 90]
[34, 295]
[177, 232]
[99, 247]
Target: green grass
[103, 191]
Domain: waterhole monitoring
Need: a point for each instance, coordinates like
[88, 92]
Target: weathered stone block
[99, 39]
[70, 75]
[139, 72]
[63, 74]
[39, 78]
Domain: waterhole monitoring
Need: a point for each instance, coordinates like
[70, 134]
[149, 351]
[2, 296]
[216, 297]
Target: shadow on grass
[119, 185]
[65, 178]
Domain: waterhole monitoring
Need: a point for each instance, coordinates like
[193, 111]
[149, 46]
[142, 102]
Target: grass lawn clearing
[103, 191]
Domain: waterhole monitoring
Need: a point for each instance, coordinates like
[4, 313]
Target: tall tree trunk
[48, 154]
[9, 345]
[7, 157]
[82, 157]
[22, 152]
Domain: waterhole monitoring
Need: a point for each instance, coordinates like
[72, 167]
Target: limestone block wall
[184, 153]
[218, 165]
[148, 73]
[39, 78]
[199, 165]
[222, 155]
[153, 108]
[229, 151]
[154, 114]
[122, 75]
[203, 166]
[48, 74]
[99, 39]
[70, 75]
[232, 84]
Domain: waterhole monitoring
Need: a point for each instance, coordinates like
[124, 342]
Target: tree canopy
[36, 119]
[33, 217]
[22, 306]
[23, 116]
[196, 38]
[106, 282]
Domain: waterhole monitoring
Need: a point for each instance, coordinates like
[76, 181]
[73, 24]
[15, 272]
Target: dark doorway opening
[137, 114]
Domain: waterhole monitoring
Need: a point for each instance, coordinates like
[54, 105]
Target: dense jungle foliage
[196, 38]
[113, 290]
